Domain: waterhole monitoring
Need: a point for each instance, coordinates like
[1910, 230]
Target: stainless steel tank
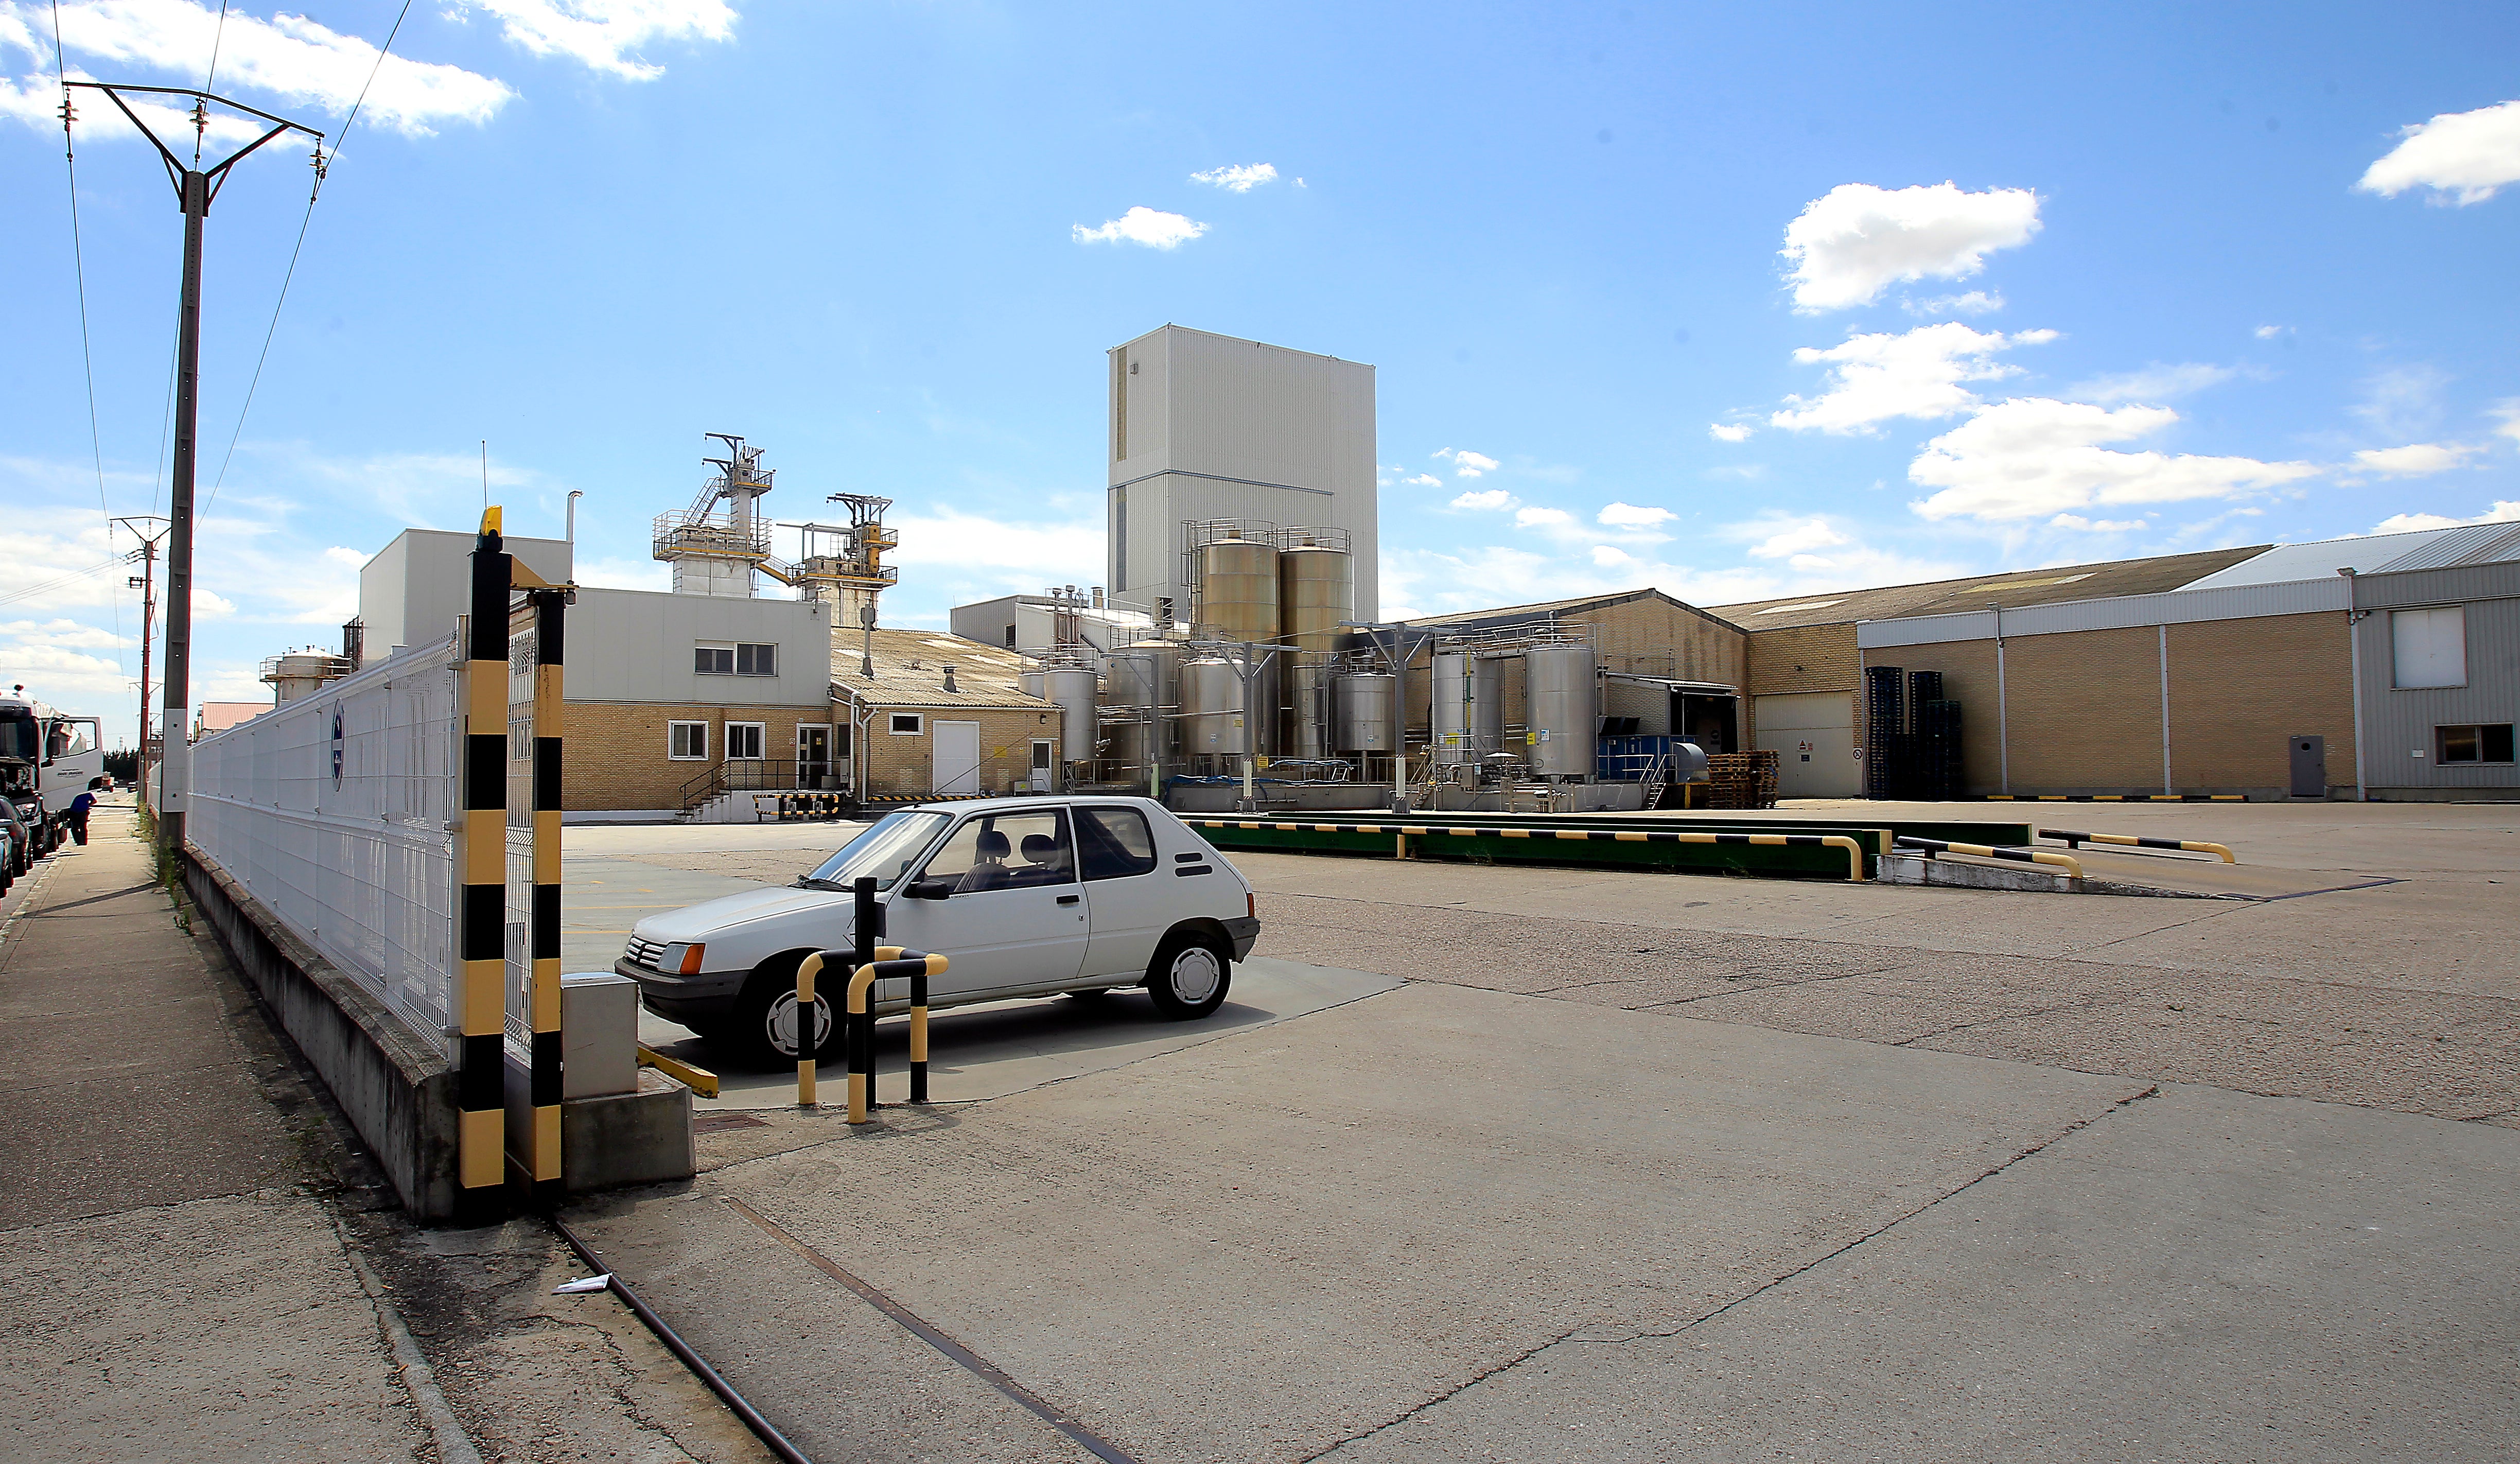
[300, 673]
[1565, 715]
[1073, 690]
[1469, 707]
[1212, 723]
[1316, 593]
[1029, 682]
[1238, 590]
[1361, 720]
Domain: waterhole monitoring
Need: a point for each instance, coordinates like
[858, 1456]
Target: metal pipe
[574, 494]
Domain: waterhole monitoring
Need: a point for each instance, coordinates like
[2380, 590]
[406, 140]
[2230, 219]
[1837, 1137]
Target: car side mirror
[931, 889]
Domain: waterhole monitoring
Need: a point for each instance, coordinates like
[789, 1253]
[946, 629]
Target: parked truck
[47, 758]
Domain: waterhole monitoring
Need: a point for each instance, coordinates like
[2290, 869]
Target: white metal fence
[332, 812]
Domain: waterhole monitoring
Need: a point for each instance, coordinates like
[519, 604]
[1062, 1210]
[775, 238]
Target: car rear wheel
[1190, 975]
[763, 1028]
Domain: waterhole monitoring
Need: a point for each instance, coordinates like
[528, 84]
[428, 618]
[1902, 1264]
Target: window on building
[908, 723]
[686, 742]
[1011, 637]
[2429, 647]
[735, 659]
[744, 742]
[2489, 743]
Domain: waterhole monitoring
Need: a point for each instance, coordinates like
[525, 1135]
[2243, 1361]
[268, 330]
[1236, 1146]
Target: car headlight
[681, 960]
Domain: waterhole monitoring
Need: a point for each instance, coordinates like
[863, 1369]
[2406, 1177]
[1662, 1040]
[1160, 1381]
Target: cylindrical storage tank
[1361, 722]
[1565, 713]
[1238, 590]
[1211, 708]
[1029, 682]
[1469, 708]
[1073, 691]
[1316, 592]
[299, 675]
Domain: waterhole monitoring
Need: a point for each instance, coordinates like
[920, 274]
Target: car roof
[1032, 801]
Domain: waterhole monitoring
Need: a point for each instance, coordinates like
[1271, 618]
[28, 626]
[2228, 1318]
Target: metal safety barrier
[1404, 832]
[794, 808]
[2073, 839]
[2115, 797]
[1933, 847]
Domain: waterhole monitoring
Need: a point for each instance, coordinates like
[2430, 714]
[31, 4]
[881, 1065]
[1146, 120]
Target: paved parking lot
[1627, 1167]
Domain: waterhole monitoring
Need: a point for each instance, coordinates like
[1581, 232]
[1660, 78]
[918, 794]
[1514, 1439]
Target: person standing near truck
[80, 806]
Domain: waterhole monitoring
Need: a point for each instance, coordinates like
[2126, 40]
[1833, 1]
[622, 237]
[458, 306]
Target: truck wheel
[763, 1028]
[1190, 974]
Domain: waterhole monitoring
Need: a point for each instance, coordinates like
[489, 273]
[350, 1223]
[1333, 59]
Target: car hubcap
[1195, 975]
[782, 1022]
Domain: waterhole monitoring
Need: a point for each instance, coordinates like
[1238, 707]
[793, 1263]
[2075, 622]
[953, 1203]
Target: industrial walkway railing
[1402, 833]
[1932, 847]
[2073, 839]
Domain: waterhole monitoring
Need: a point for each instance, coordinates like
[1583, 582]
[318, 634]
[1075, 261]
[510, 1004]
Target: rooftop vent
[949, 678]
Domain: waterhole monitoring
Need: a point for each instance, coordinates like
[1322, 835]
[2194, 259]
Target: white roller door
[1813, 735]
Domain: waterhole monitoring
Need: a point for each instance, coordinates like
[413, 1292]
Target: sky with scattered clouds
[1684, 296]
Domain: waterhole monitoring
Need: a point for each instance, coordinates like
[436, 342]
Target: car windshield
[883, 850]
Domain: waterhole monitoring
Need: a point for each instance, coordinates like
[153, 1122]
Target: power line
[323, 163]
[209, 82]
[32, 591]
[87, 352]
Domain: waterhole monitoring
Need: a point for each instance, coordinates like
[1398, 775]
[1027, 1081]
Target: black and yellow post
[550, 606]
[481, 868]
[919, 1036]
[806, 970]
[891, 962]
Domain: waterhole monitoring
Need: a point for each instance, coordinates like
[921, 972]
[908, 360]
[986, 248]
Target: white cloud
[2416, 459]
[2082, 525]
[973, 556]
[1151, 227]
[2507, 414]
[2270, 332]
[2504, 511]
[1611, 557]
[603, 34]
[288, 58]
[1730, 431]
[1239, 178]
[2402, 401]
[1856, 240]
[1465, 463]
[1423, 481]
[1544, 517]
[1630, 516]
[1974, 303]
[2154, 383]
[1780, 535]
[2031, 457]
[1492, 498]
[2462, 156]
[1874, 378]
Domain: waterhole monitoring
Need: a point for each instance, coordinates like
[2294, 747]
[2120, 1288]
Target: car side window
[1007, 851]
[1115, 842]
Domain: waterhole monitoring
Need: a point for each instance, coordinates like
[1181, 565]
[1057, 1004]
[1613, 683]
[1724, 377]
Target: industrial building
[2436, 648]
[1205, 428]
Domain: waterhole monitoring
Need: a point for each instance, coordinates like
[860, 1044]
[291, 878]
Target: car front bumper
[686, 999]
[1243, 929]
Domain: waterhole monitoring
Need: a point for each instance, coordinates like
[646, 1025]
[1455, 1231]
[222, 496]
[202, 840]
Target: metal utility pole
[194, 189]
[147, 583]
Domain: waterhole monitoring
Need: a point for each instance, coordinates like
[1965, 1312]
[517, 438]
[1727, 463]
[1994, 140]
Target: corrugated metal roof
[910, 672]
[2009, 588]
[1507, 615]
[2171, 608]
[2469, 544]
[2317, 560]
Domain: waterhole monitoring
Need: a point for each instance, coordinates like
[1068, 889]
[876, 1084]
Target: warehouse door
[2310, 768]
[954, 751]
[1813, 735]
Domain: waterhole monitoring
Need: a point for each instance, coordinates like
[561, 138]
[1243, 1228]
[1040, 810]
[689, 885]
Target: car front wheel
[764, 1024]
[1190, 974]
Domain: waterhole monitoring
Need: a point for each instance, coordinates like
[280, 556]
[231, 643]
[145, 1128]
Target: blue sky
[1659, 294]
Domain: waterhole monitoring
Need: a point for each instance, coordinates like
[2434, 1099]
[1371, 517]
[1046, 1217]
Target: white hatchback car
[1026, 896]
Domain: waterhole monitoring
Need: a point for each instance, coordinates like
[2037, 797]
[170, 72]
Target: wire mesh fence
[333, 809]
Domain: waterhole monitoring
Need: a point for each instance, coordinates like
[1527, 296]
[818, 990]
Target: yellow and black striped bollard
[482, 864]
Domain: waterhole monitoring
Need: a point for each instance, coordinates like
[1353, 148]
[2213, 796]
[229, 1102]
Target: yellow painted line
[1464, 833]
[1768, 838]
[1629, 838]
[1413, 828]
[1516, 833]
[700, 1080]
[1570, 833]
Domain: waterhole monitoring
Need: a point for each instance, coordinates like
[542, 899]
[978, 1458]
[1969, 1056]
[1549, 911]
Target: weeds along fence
[333, 811]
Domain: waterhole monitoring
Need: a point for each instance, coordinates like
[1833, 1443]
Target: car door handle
[1187, 870]
[1069, 899]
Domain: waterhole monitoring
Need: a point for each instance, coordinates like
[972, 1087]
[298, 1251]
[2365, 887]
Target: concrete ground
[196, 1261]
[1637, 1166]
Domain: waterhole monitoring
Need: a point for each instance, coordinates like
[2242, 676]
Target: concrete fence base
[389, 1078]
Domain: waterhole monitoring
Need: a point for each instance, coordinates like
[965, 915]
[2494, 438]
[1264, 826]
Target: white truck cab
[48, 757]
[1024, 895]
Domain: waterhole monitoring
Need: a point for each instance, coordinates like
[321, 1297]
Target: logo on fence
[337, 745]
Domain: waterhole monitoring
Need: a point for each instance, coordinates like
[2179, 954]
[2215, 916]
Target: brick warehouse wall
[899, 765]
[614, 755]
[2084, 708]
[2239, 688]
